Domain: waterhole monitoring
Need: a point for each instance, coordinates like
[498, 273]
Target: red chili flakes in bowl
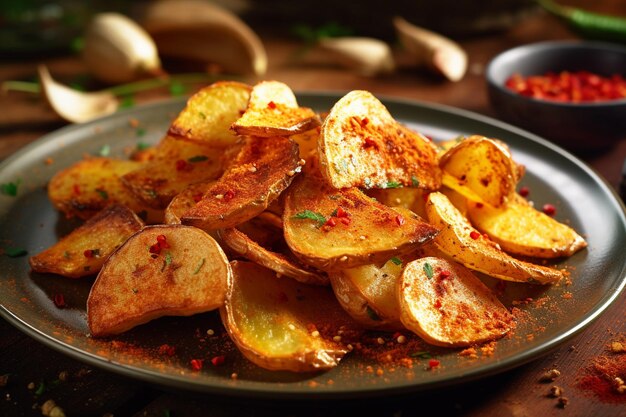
[569, 87]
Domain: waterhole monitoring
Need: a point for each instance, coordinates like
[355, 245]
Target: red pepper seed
[88, 253]
[341, 212]
[271, 105]
[197, 364]
[444, 274]
[479, 205]
[474, 234]
[229, 195]
[433, 363]
[549, 209]
[399, 220]
[524, 191]
[218, 360]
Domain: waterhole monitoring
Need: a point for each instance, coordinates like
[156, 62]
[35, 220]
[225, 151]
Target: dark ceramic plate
[554, 314]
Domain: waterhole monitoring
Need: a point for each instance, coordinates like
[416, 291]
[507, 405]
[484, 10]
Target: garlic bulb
[428, 48]
[118, 50]
[367, 56]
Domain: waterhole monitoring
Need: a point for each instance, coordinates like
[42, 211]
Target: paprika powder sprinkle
[569, 87]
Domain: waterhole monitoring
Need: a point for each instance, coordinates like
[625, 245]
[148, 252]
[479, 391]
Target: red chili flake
[437, 304]
[197, 197]
[229, 195]
[271, 105]
[549, 209]
[341, 212]
[474, 234]
[399, 220]
[218, 360]
[479, 205]
[370, 143]
[166, 349]
[88, 253]
[76, 189]
[524, 191]
[330, 222]
[59, 300]
[364, 121]
[160, 244]
[346, 220]
[197, 364]
[182, 165]
[444, 274]
[433, 363]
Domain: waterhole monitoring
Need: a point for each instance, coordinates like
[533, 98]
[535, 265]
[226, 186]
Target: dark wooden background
[93, 392]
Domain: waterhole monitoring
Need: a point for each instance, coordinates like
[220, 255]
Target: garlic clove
[72, 105]
[433, 50]
[117, 50]
[202, 31]
[368, 56]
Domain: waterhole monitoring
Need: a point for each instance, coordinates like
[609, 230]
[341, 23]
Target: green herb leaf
[199, 267]
[102, 192]
[372, 314]
[41, 388]
[393, 184]
[396, 260]
[428, 270]
[105, 150]
[142, 146]
[311, 215]
[127, 102]
[197, 158]
[177, 88]
[422, 355]
[15, 252]
[168, 258]
[414, 181]
[202, 115]
[140, 132]
[66, 255]
[10, 188]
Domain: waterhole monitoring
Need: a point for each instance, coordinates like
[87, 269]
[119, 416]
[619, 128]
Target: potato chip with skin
[273, 111]
[447, 305]
[362, 145]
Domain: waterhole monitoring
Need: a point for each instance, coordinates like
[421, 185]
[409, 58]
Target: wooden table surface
[93, 392]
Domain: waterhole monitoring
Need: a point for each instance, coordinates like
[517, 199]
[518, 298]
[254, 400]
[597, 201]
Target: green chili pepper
[588, 24]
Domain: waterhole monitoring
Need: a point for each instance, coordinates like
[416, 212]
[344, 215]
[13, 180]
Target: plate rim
[486, 370]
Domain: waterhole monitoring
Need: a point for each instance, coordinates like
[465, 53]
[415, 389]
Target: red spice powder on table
[606, 376]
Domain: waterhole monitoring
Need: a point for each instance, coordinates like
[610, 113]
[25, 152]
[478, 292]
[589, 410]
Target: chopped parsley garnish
[142, 146]
[102, 193]
[127, 102]
[311, 215]
[140, 132]
[396, 260]
[422, 355]
[393, 184]
[105, 150]
[372, 314]
[15, 252]
[428, 270]
[197, 158]
[177, 89]
[414, 181]
[199, 267]
[10, 188]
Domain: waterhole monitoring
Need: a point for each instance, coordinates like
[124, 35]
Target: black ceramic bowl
[578, 127]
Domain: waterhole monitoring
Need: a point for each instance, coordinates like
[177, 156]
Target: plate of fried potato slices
[250, 241]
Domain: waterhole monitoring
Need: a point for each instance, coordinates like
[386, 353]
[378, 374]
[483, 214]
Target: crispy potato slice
[447, 305]
[481, 169]
[307, 142]
[185, 273]
[86, 187]
[281, 324]
[185, 200]
[521, 229]
[459, 240]
[361, 145]
[412, 199]
[84, 250]
[262, 170]
[273, 111]
[176, 164]
[210, 112]
[368, 293]
[364, 232]
[277, 262]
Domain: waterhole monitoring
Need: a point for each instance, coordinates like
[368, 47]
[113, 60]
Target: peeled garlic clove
[368, 56]
[72, 105]
[439, 53]
[117, 50]
[202, 31]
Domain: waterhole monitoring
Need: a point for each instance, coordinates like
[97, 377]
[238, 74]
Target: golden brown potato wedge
[307, 142]
[368, 293]
[273, 111]
[521, 229]
[210, 112]
[337, 229]
[459, 240]
[412, 199]
[281, 324]
[86, 187]
[361, 145]
[177, 163]
[277, 262]
[85, 249]
[185, 200]
[481, 169]
[160, 271]
[262, 170]
[447, 305]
